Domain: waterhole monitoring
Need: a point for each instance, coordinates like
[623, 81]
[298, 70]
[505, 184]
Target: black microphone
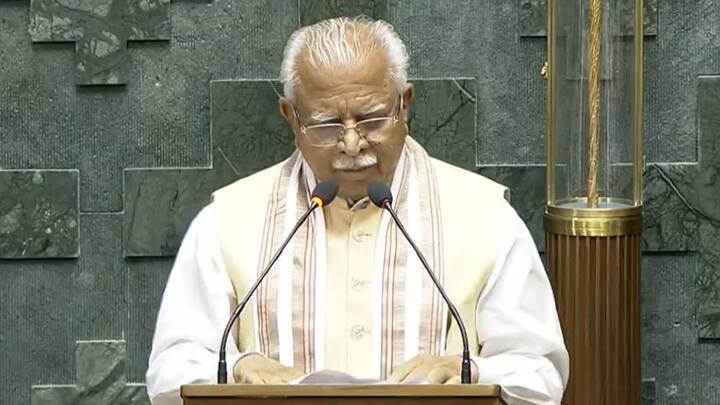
[323, 194]
[381, 196]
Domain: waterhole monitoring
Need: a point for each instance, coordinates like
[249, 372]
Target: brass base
[613, 217]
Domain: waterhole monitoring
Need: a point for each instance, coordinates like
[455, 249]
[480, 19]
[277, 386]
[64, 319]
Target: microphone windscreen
[326, 191]
[379, 193]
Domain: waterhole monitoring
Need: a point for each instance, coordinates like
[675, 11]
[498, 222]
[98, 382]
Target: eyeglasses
[374, 130]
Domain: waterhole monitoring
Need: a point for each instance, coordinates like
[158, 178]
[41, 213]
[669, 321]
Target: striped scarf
[408, 313]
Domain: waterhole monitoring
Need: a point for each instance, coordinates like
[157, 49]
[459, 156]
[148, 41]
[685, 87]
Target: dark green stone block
[159, 204]
[37, 326]
[681, 366]
[134, 394]
[448, 39]
[54, 395]
[650, 17]
[682, 212]
[39, 214]
[443, 119]
[451, 38]
[58, 302]
[669, 223]
[247, 136]
[101, 370]
[702, 200]
[99, 280]
[146, 282]
[312, 11]
[246, 127]
[673, 60]
[648, 391]
[533, 17]
[527, 194]
[100, 31]
[708, 105]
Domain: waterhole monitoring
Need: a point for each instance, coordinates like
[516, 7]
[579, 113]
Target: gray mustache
[356, 163]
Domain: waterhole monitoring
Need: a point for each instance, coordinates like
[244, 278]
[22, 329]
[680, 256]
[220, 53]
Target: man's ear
[286, 110]
[407, 96]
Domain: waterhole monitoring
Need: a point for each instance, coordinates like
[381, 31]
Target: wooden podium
[238, 394]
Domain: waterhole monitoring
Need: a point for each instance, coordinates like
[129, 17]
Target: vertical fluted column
[596, 281]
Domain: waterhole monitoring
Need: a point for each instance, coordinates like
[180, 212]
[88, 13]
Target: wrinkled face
[349, 96]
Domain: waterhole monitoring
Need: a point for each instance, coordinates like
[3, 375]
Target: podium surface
[240, 394]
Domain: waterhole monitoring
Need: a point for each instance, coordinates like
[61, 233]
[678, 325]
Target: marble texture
[689, 46]
[101, 368]
[36, 330]
[533, 17]
[648, 392]
[55, 395]
[650, 17]
[443, 119]
[247, 136]
[454, 39]
[56, 302]
[160, 118]
[159, 204]
[312, 11]
[146, 281]
[100, 31]
[527, 194]
[97, 275]
[134, 394]
[246, 127]
[684, 370]
[39, 214]
[682, 210]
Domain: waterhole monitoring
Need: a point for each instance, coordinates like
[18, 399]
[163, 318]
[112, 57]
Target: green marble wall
[119, 117]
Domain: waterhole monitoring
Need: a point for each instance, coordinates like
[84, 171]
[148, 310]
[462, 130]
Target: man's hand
[258, 369]
[431, 369]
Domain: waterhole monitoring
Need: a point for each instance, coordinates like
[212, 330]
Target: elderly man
[348, 294]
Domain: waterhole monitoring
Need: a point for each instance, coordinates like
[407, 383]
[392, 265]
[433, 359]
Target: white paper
[330, 377]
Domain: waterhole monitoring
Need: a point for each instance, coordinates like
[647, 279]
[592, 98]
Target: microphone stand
[465, 373]
[222, 362]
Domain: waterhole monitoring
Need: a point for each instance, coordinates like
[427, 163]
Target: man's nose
[352, 143]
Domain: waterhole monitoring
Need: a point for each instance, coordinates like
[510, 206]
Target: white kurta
[516, 321]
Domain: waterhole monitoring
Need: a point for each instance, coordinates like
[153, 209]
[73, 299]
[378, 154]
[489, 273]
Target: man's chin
[353, 183]
[354, 189]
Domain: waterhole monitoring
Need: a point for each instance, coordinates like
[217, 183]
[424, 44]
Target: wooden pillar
[594, 266]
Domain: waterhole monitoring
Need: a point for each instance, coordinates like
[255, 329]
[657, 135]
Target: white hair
[327, 45]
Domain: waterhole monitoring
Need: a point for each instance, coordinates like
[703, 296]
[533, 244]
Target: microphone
[323, 194]
[381, 196]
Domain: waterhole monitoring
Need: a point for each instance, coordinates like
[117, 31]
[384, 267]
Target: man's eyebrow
[374, 109]
[322, 116]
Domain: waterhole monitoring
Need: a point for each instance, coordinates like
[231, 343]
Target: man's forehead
[340, 102]
[369, 77]
[346, 95]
